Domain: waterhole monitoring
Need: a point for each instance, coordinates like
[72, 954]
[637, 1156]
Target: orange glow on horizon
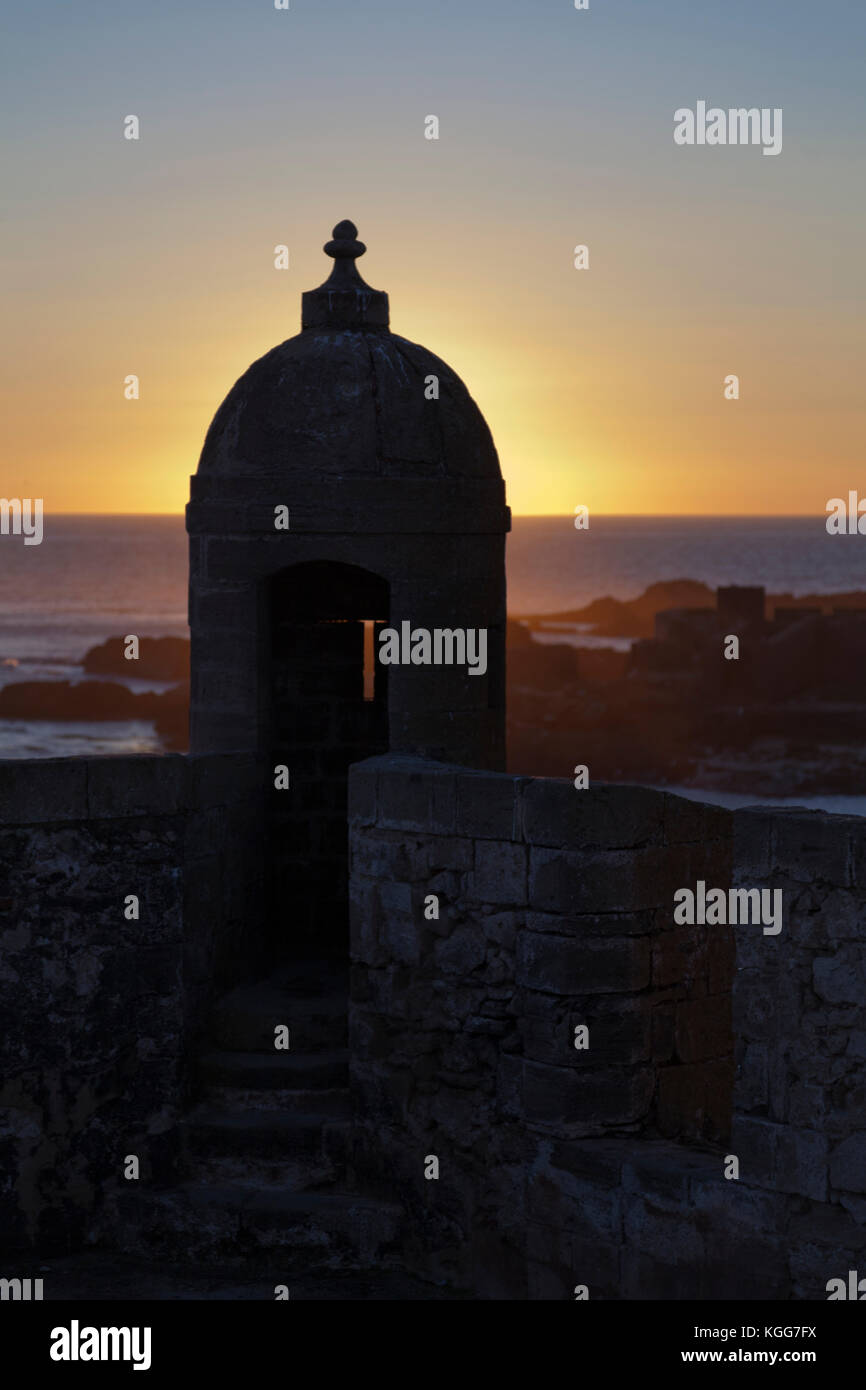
[618, 417]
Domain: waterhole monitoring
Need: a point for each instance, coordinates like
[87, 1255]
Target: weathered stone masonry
[102, 1014]
[558, 1166]
[605, 1167]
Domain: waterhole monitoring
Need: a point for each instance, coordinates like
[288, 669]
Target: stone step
[208, 1132]
[330, 1104]
[244, 1021]
[232, 1223]
[280, 1071]
[305, 1173]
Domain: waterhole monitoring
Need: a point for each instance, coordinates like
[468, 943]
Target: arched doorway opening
[326, 708]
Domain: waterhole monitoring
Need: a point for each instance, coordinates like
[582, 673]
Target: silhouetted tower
[385, 468]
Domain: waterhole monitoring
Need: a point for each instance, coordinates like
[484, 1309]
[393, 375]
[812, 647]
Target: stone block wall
[606, 1167]
[101, 1010]
[662, 1220]
[800, 1015]
[554, 914]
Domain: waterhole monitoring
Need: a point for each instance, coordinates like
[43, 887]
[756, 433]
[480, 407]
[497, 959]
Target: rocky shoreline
[162, 659]
[613, 617]
[566, 706]
[667, 712]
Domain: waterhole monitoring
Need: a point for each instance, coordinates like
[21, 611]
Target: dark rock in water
[635, 617]
[97, 700]
[160, 658]
[63, 700]
[613, 617]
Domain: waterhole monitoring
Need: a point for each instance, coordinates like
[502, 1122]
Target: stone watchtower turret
[348, 483]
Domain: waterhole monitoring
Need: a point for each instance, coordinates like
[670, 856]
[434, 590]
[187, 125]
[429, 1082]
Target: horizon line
[558, 516]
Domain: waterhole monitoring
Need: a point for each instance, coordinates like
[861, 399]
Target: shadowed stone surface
[607, 1166]
[373, 420]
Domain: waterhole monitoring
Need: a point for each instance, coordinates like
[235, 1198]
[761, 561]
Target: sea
[95, 577]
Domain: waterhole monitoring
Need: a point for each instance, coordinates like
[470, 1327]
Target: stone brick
[573, 883]
[843, 917]
[649, 1230]
[501, 928]
[462, 952]
[744, 1230]
[857, 852]
[382, 856]
[663, 1019]
[721, 961]
[848, 1164]
[841, 979]
[720, 1201]
[703, 1029]
[449, 852]
[606, 817]
[678, 958]
[404, 800]
[46, 791]
[500, 873]
[752, 846]
[801, 1163]
[597, 1162]
[567, 1101]
[365, 945]
[137, 786]
[755, 1143]
[663, 1173]
[565, 966]
[397, 927]
[813, 845]
[509, 1086]
[805, 1104]
[488, 805]
[682, 1100]
[593, 924]
[660, 871]
[443, 804]
[619, 1034]
[687, 821]
[752, 1085]
[754, 1005]
[574, 1204]
[445, 885]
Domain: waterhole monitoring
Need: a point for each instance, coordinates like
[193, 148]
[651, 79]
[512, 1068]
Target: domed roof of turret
[348, 398]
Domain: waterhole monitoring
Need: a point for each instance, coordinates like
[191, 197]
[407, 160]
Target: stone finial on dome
[344, 300]
[345, 245]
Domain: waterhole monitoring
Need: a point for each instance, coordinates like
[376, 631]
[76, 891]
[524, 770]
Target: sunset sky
[602, 387]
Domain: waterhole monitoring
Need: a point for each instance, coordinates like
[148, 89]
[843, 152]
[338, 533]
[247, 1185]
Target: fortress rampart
[102, 1010]
[605, 1165]
[600, 1164]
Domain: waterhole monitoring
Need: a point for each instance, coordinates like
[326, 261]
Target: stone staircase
[262, 1175]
